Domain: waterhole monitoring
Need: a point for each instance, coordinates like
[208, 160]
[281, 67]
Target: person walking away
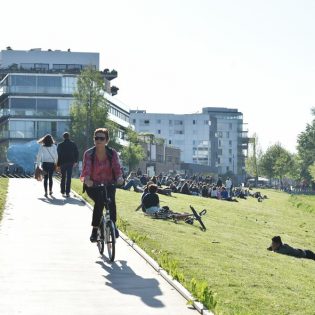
[47, 157]
[101, 166]
[68, 155]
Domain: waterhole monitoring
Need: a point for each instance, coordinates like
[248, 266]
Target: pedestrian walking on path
[47, 158]
[68, 155]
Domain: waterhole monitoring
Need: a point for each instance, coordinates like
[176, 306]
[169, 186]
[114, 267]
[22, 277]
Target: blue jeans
[66, 173]
[131, 183]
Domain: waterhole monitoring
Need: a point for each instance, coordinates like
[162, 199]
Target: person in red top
[101, 166]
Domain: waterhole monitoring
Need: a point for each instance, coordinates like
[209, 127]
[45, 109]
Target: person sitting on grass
[285, 249]
[133, 181]
[151, 201]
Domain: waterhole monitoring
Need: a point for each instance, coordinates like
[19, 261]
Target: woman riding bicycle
[101, 166]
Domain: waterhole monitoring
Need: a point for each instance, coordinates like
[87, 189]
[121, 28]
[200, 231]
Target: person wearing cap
[68, 155]
[285, 249]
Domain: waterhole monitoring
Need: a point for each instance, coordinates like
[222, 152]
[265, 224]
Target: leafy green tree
[311, 170]
[306, 148]
[133, 153]
[276, 162]
[254, 156]
[89, 109]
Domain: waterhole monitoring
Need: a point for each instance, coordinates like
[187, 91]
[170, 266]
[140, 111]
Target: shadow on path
[62, 201]
[123, 279]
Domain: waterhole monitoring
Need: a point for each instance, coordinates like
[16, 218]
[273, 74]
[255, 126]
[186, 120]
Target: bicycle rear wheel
[110, 240]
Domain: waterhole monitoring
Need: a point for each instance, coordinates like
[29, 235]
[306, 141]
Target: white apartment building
[36, 92]
[214, 137]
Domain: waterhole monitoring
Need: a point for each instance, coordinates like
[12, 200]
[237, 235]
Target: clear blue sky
[177, 56]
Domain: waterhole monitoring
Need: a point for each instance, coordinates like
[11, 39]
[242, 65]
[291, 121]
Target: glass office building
[36, 93]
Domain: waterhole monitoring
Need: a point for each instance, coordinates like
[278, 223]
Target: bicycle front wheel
[100, 238]
[110, 240]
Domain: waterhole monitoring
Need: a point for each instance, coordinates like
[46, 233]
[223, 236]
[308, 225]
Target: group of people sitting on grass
[194, 185]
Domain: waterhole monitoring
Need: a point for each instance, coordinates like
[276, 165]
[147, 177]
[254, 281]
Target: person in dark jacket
[67, 158]
[151, 201]
[285, 249]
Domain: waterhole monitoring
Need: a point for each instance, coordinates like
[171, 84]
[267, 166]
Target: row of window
[33, 129]
[40, 84]
[36, 107]
[114, 111]
[45, 66]
[146, 122]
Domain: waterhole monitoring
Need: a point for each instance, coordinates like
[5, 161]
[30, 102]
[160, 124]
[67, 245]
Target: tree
[254, 156]
[306, 148]
[133, 153]
[311, 170]
[89, 109]
[276, 162]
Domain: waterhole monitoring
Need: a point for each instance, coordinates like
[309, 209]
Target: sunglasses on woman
[99, 138]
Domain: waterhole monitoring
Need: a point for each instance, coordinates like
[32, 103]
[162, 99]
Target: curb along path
[48, 265]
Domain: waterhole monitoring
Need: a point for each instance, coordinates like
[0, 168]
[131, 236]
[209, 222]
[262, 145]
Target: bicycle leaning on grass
[106, 229]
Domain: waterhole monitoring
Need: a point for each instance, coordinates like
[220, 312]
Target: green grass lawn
[3, 193]
[231, 256]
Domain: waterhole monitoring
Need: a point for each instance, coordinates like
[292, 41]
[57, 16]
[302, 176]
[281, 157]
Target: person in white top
[228, 186]
[47, 158]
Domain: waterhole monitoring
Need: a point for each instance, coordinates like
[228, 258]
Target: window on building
[230, 142]
[230, 151]
[41, 66]
[170, 122]
[230, 126]
[146, 121]
[230, 160]
[194, 122]
[228, 134]
[158, 121]
[219, 143]
[59, 66]
[159, 132]
[134, 121]
[159, 158]
[169, 141]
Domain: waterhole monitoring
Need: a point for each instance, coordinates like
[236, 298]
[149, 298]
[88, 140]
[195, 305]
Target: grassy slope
[231, 255]
[3, 193]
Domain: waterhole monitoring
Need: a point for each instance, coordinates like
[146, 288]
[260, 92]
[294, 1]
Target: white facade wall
[187, 132]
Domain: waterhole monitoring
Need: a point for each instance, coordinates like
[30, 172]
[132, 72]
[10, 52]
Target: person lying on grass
[285, 249]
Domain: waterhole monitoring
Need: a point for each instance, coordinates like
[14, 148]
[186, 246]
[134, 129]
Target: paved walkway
[48, 266]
